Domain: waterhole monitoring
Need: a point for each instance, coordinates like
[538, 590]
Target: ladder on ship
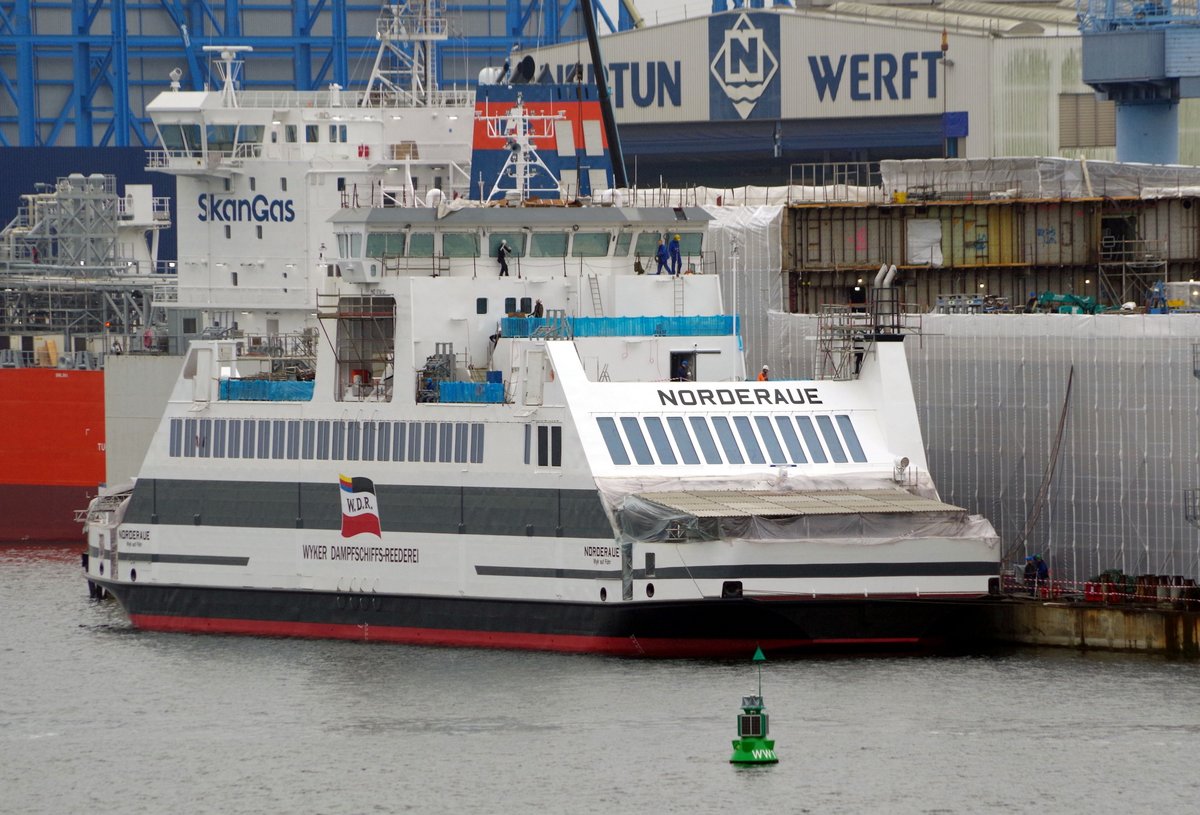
[679, 295]
[597, 303]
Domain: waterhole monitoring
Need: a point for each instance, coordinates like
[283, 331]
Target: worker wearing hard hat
[765, 374]
[676, 258]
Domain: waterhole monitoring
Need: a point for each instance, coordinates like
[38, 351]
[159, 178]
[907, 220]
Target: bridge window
[516, 242]
[815, 451]
[183, 139]
[289, 134]
[548, 245]
[705, 439]
[682, 440]
[460, 244]
[420, 245]
[647, 243]
[312, 134]
[590, 245]
[831, 439]
[847, 428]
[658, 435]
[624, 241]
[221, 138]
[689, 242]
[385, 244]
[728, 442]
[612, 439]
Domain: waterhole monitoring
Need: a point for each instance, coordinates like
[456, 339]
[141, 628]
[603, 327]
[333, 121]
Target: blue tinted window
[338, 448]
[264, 438]
[742, 423]
[431, 441]
[460, 442]
[383, 450]
[815, 451]
[205, 430]
[704, 437]
[682, 440]
[368, 441]
[616, 448]
[277, 438]
[323, 440]
[293, 438]
[235, 438]
[399, 436]
[189, 437]
[248, 445]
[352, 434]
[847, 428]
[308, 440]
[728, 442]
[791, 439]
[477, 443]
[445, 441]
[218, 438]
[831, 439]
[769, 439]
[176, 443]
[414, 441]
[637, 442]
[658, 435]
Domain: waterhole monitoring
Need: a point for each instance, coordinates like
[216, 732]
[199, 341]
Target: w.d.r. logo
[744, 71]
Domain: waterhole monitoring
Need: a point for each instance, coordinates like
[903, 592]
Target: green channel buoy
[752, 745]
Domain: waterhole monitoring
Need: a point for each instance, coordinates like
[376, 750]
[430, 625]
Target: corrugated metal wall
[990, 391]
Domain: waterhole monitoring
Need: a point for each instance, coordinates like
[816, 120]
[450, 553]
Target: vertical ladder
[597, 304]
[679, 294]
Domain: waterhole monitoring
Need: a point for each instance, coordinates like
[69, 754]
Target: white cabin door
[535, 375]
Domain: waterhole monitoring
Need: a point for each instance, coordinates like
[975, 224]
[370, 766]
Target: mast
[610, 123]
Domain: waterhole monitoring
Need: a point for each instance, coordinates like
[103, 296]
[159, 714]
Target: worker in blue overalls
[660, 255]
[676, 258]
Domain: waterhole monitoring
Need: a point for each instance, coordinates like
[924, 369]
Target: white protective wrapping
[924, 241]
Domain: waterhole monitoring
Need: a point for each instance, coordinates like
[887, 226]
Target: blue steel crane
[80, 72]
[1144, 55]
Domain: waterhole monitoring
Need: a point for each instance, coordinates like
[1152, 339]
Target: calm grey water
[97, 717]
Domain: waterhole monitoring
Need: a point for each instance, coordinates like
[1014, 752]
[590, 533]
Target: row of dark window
[327, 440]
[774, 439]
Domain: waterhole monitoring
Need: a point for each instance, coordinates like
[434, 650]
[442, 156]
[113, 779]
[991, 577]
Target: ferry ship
[566, 457]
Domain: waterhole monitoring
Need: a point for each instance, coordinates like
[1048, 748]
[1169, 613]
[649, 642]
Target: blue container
[495, 377]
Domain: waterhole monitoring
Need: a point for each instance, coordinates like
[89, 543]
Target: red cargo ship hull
[51, 450]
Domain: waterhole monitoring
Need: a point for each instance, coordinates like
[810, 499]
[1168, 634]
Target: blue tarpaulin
[700, 326]
[490, 392]
[264, 390]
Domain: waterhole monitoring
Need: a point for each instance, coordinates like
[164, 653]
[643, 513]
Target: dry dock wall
[1108, 628]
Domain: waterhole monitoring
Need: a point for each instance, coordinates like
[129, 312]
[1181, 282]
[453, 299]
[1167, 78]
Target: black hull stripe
[733, 619]
[191, 560]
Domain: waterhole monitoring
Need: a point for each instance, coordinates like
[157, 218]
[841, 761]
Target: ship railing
[341, 98]
[1110, 588]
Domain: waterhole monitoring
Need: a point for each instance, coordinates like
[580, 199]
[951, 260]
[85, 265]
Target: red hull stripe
[613, 646]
